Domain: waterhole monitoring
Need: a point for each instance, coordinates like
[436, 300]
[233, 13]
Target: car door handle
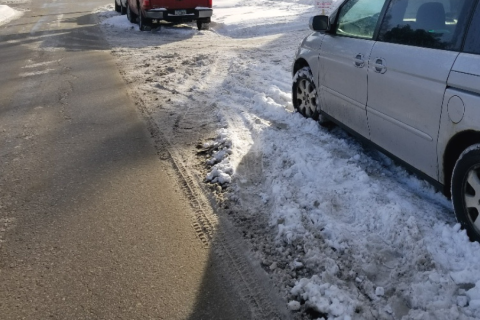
[380, 65]
[359, 61]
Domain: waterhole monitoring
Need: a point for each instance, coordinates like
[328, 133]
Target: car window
[472, 43]
[358, 18]
[438, 24]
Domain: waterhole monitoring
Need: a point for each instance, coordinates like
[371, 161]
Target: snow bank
[7, 14]
[378, 233]
[256, 19]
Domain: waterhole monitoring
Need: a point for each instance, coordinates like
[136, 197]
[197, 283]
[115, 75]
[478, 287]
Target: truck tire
[203, 25]
[117, 7]
[144, 24]
[132, 17]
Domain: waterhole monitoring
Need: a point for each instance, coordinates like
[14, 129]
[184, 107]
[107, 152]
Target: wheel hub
[472, 196]
[305, 93]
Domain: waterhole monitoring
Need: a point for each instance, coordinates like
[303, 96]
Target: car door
[408, 68]
[343, 63]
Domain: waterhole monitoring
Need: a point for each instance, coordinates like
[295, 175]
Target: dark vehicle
[121, 6]
[151, 12]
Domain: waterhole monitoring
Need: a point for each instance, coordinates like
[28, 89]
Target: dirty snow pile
[7, 14]
[221, 169]
[345, 232]
[360, 236]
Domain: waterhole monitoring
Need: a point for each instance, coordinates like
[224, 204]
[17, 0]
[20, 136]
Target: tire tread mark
[205, 223]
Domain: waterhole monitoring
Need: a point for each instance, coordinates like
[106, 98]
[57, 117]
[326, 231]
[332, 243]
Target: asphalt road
[93, 225]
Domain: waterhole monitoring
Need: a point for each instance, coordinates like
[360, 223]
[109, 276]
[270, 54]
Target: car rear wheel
[144, 24]
[305, 94]
[203, 25]
[465, 189]
[132, 17]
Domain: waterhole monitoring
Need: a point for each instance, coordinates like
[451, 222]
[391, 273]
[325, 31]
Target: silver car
[405, 76]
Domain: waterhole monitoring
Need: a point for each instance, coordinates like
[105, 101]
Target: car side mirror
[319, 23]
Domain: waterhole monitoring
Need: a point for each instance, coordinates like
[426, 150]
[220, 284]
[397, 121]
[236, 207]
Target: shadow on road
[95, 225]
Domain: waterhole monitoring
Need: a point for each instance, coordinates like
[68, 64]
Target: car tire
[132, 17]
[117, 6]
[465, 190]
[202, 25]
[144, 24]
[123, 9]
[304, 94]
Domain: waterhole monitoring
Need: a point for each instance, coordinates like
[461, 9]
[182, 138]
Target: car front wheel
[304, 93]
[465, 189]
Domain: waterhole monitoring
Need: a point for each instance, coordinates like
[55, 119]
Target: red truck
[150, 12]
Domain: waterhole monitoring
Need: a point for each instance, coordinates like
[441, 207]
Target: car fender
[309, 51]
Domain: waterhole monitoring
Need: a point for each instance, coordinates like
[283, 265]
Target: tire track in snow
[172, 101]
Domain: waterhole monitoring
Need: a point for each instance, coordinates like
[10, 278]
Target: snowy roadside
[344, 232]
[8, 14]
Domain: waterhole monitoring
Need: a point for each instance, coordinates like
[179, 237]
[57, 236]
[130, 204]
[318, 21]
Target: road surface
[93, 223]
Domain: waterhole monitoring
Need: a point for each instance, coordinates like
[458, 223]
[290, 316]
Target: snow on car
[343, 231]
